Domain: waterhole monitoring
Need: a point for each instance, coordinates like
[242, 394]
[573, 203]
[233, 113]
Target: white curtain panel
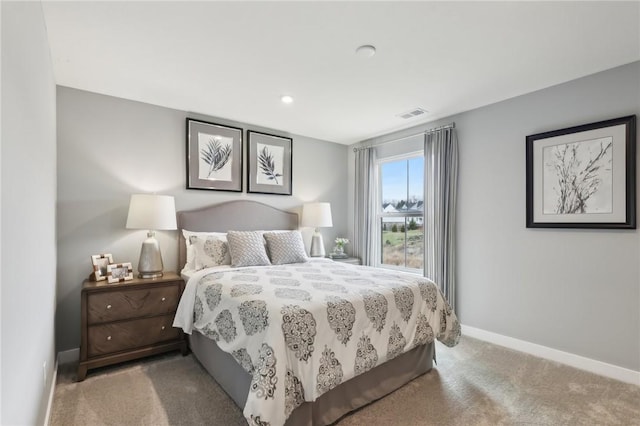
[440, 187]
[364, 241]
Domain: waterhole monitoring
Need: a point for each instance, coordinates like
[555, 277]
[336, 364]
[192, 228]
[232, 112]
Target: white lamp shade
[152, 212]
[316, 215]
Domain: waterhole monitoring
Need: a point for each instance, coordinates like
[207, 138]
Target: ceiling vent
[413, 113]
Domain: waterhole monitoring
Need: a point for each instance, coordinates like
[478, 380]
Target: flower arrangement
[339, 248]
[341, 242]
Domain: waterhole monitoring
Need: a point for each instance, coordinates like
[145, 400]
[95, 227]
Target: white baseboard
[593, 366]
[64, 357]
[52, 388]
[67, 357]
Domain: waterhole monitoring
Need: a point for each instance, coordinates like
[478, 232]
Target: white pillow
[210, 251]
[247, 248]
[285, 247]
[190, 264]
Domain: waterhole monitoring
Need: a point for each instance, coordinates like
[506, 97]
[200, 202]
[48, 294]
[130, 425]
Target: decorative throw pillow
[247, 248]
[210, 250]
[190, 264]
[285, 247]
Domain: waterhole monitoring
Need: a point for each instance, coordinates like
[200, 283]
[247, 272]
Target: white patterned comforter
[302, 329]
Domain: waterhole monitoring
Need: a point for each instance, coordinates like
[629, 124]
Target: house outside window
[401, 212]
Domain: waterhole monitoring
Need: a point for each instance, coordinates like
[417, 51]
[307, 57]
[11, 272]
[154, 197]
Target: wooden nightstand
[129, 320]
[350, 260]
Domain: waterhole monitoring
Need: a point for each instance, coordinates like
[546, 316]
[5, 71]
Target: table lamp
[316, 215]
[151, 212]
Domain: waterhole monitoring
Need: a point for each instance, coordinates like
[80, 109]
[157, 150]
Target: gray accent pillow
[285, 247]
[247, 248]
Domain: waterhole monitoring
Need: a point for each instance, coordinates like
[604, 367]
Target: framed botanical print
[269, 163]
[583, 176]
[214, 156]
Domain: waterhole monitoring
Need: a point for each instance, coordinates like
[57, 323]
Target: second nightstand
[129, 320]
[350, 260]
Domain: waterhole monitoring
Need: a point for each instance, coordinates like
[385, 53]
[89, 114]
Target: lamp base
[151, 275]
[317, 246]
[150, 264]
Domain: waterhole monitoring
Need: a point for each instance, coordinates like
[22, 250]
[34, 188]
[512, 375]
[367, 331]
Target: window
[401, 212]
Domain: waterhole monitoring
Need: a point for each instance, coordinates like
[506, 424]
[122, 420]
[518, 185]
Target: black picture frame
[269, 163]
[214, 156]
[583, 176]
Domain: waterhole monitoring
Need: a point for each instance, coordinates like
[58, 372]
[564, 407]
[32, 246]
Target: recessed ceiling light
[286, 99]
[366, 51]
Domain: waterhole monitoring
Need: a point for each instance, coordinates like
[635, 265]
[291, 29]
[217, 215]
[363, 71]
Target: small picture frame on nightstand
[119, 272]
[100, 263]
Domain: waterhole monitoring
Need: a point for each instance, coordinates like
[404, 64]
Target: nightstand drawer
[124, 304]
[109, 338]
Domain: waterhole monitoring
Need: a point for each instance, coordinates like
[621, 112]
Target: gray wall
[573, 290]
[28, 265]
[109, 148]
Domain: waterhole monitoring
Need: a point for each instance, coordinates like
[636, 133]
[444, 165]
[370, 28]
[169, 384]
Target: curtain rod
[435, 129]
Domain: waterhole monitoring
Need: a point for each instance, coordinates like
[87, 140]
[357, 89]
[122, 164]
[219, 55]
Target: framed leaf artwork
[270, 163]
[214, 156]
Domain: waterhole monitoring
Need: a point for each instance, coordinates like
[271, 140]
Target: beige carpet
[475, 383]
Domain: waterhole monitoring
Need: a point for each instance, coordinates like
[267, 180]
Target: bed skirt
[328, 408]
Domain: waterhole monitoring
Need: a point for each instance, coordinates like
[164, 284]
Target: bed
[290, 371]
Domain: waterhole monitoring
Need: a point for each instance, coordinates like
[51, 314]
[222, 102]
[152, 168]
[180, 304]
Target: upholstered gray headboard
[240, 215]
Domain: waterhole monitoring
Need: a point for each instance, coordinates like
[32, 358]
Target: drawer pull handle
[164, 298]
[108, 306]
[163, 327]
[108, 337]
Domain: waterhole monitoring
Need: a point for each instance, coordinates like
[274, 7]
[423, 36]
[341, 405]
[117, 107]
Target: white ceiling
[236, 59]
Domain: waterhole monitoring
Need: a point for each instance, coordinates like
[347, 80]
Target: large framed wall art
[214, 156]
[583, 176]
[269, 163]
